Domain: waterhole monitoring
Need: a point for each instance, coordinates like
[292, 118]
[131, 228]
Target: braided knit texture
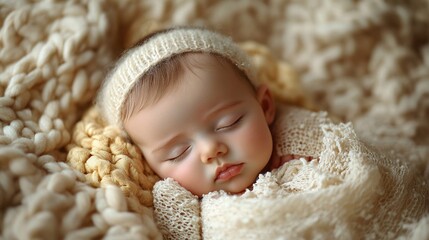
[64, 174]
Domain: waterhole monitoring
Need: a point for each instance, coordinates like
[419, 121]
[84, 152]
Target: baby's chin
[235, 187]
[241, 188]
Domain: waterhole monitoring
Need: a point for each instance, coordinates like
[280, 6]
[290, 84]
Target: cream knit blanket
[64, 174]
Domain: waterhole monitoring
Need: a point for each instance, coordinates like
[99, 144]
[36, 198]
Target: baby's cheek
[188, 174]
[257, 140]
[182, 172]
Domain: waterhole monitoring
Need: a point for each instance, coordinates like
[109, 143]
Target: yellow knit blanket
[64, 174]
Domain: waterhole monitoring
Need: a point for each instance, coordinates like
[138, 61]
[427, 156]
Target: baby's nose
[213, 150]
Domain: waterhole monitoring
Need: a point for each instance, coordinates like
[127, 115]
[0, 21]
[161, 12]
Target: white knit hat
[138, 60]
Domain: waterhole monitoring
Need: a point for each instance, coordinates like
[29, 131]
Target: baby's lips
[228, 171]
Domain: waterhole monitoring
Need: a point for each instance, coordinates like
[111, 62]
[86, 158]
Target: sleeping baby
[235, 163]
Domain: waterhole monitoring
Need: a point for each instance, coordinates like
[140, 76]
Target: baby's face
[209, 133]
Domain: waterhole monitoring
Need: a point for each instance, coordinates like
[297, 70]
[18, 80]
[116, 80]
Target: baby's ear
[177, 211]
[266, 100]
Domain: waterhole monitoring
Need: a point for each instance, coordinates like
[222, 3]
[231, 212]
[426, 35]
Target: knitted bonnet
[160, 46]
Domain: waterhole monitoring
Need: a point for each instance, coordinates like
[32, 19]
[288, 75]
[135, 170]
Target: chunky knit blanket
[65, 175]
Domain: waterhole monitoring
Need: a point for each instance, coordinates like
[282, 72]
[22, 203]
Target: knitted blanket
[64, 174]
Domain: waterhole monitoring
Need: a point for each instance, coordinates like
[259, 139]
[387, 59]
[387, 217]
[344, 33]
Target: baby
[188, 99]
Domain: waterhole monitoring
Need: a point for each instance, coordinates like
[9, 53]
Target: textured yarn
[106, 157]
[171, 198]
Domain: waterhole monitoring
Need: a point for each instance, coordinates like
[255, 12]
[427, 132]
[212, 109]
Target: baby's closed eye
[229, 122]
[178, 153]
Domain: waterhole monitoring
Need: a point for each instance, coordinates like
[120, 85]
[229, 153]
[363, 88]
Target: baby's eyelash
[236, 121]
[179, 157]
[232, 124]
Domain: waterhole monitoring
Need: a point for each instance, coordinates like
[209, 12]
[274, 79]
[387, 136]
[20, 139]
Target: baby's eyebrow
[221, 108]
[166, 143]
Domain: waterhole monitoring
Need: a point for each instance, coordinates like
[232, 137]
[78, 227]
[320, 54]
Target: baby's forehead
[207, 59]
[211, 66]
[209, 63]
